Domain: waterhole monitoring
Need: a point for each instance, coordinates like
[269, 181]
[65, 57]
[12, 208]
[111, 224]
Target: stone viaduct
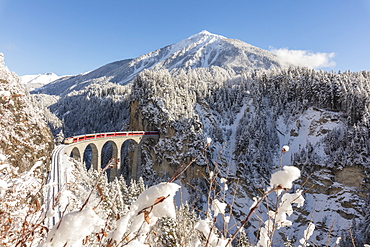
[77, 145]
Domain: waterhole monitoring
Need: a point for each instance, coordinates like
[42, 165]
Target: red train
[75, 139]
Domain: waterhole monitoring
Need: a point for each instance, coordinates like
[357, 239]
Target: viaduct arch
[77, 145]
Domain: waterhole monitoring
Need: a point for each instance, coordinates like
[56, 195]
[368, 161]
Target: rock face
[176, 146]
[24, 136]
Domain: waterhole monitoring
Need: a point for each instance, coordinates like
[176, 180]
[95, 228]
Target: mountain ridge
[198, 51]
[34, 81]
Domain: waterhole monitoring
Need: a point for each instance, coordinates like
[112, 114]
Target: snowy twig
[210, 231]
[330, 230]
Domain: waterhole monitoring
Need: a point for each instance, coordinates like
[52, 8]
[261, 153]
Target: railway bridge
[76, 146]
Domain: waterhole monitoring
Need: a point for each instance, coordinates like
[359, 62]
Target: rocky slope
[24, 135]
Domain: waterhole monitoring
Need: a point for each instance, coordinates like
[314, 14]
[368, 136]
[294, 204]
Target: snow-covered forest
[297, 106]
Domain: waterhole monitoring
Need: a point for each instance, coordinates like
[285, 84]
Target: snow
[1, 59]
[309, 127]
[285, 208]
[136, 243]
[277, 219]
[265, 239]
[202, 50]
[73, 228]
[307, 234]
[298, 131]
[224, 181]
[3, 186]
[230, 149]
[213, 239]
[218, 207]
[285, 148]
[135, 222]
[285, 177]
[39, 78]
[32, 82]
[4, 94]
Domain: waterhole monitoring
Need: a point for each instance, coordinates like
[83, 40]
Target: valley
[250, 105]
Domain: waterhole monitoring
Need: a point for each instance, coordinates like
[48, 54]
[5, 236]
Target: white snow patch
[285, 177]
[39, 79]
[218, 207]
[73, 228]
[307, 234]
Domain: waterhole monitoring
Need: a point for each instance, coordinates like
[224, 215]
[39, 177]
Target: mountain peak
[202, 38]
[205, 33]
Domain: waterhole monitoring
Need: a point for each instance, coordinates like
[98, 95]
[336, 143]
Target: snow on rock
[307, 128]
[24, 135]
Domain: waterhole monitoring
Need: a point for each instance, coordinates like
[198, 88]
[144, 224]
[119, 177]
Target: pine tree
[60, 137]
[167, 232]
[186, 220]
[243, 240]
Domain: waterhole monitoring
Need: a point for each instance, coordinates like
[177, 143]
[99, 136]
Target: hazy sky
[75, 36]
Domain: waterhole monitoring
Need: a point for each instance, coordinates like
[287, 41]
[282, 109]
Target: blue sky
[74, 36]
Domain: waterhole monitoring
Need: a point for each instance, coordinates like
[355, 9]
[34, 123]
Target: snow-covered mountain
[198, 51]
[32, 82]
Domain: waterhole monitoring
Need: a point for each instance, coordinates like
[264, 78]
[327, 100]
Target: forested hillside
[323, 115]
